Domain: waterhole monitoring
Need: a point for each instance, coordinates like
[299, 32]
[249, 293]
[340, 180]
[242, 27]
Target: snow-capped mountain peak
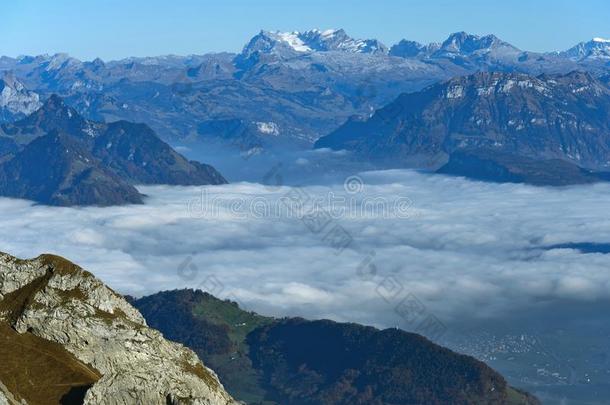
[597, 48]
[338, 40]
[314, 40]
[293, 40]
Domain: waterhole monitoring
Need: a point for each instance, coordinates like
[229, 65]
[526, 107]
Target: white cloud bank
[469, 249]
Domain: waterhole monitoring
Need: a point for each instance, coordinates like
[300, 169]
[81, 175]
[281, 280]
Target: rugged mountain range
[565, 117]
[55, 156]
[304, 84]
[67, 338]
[263, 360]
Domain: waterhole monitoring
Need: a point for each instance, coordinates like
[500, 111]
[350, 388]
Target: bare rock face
[5, 396]
[56, 300]
[15, 100]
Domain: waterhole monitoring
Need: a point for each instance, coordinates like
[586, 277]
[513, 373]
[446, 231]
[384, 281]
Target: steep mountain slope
[547, 117]
[292, 361]
[87, 162]
[63, 311]
[70, 175]
[60, 377]
[134, 152]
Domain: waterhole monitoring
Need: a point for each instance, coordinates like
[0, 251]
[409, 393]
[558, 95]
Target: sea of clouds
[435, 246]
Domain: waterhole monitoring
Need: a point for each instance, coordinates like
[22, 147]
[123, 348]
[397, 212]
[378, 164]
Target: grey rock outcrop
[15, 100]
[56, 300]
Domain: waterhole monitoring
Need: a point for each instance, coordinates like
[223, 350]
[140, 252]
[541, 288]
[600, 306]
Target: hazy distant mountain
[264, 360]
[412, 49]
[305, 84]
[55, 156]
[462, 43]
[473, 53]
[547, 117]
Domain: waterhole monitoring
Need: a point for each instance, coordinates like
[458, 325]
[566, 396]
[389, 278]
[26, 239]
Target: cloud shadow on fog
[583, 247]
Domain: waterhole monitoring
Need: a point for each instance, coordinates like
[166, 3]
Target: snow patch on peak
[313, 40]
[597, 48]
[268, 128]
[293, 40]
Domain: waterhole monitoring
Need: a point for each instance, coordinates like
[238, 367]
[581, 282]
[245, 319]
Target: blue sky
[113, 29]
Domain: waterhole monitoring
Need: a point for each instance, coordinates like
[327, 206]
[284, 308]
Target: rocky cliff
[97, 344]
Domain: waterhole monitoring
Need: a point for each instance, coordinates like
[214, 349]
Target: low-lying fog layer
[386, 248]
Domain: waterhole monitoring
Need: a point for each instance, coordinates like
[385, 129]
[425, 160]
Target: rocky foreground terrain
[67, 338]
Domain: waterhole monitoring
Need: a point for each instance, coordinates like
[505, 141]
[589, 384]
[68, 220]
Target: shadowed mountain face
[70, 175]
[489, 165]
[263, 360]
[54, 156]
[565, 117]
